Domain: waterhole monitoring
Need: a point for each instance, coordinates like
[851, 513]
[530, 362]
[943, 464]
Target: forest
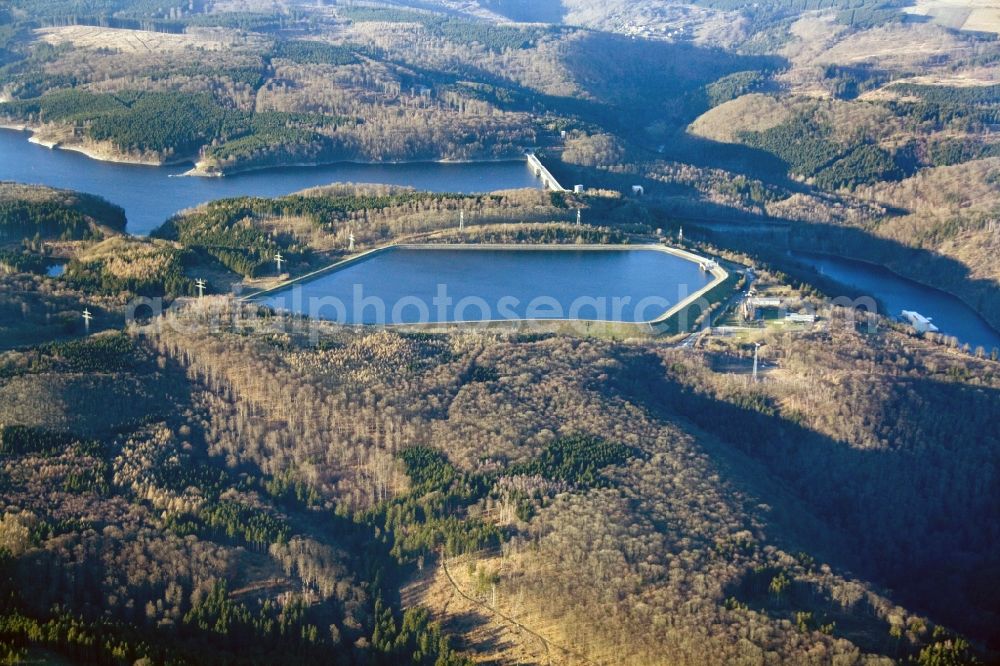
[34, 211]
[166, 124]
[457, 503]
[232, 520]
[498, 38]
[177, 509]
[411, 454]
[804, 145]
[228, 484]
[135, 267]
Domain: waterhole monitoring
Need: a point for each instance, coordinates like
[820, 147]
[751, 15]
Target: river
[951, 315]
[151, 194]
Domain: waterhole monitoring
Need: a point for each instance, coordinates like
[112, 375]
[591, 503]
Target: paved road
[733, 301]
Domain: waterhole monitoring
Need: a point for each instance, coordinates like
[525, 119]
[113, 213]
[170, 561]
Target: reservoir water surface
[150, 194]
[948, 313]
[417, 285]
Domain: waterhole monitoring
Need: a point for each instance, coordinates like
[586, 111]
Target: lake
[949, 314]
[150, 194]
[410, 285]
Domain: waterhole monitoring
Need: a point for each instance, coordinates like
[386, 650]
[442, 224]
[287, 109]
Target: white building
[920, 323]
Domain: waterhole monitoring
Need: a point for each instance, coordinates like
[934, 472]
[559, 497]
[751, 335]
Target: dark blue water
[406, 286]
[149, 195]
[949, 314]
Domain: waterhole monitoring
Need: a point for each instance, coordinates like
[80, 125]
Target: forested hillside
[236, 101]
[643, 497]
[40, 212]
[151, 549]
[229, 484]
[428, 491]
[39, 227]
[244, 234]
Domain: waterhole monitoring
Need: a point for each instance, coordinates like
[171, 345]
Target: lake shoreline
[151, 195]
[834, 255]
[97, 151]
[201, 172]
[967, 299]
[800, 256]
[110, 155]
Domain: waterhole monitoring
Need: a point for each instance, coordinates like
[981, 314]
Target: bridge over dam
[548, 180]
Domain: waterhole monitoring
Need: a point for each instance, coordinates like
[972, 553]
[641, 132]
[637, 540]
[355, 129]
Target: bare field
[977, 15]
[139, 41]
[894, 46]
[812, 34]
[924, 49]
[494, 629]
[969, 79]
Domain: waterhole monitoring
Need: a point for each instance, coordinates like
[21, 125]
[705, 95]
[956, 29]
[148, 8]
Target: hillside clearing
[974, 15]
[139, 41]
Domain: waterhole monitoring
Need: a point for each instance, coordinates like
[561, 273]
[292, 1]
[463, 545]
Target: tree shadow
[755, 163]
[629, 87]
[738, 158]
[768, 590]
[653, 81]
[460, 625]
[915, 512]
